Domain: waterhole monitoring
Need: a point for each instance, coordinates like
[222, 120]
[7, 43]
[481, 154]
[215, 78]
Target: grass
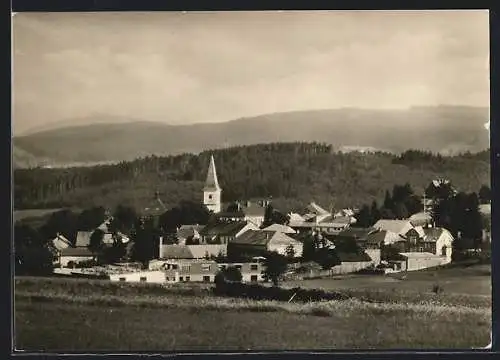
[58, 326]
[57, 314]
[470, 280]
[32, 213]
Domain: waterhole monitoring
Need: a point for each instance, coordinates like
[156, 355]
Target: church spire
[211, 184]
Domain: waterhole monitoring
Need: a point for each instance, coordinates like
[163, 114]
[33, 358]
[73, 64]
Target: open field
[32, 213]
[453, 280]
[74, 314]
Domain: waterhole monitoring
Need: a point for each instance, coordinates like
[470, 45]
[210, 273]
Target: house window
[443, 251]
[206, 278]
[253, 278]
[254, 267]
[186, 268]
[174, 266]
[181, 278]
[205, 267]
[188, 278]
[168, 278]
[123, 279]
[210, 196]
[143, 278]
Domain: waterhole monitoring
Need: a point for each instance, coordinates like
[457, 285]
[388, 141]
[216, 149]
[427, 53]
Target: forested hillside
[291, 173]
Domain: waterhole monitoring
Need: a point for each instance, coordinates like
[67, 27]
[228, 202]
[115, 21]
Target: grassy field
[455, 280]
[68, 314]
[32, 213]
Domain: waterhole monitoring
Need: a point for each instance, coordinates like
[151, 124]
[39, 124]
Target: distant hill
[291, 173]
[443, 129]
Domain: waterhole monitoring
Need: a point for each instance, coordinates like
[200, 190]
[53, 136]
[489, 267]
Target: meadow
[58, 314]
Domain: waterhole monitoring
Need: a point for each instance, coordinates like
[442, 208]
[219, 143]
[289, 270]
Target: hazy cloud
[205, 67]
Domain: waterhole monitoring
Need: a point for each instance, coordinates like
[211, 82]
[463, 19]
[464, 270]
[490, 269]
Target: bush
[437, 289]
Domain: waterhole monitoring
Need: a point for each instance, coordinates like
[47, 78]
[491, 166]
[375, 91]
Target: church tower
[212, 190]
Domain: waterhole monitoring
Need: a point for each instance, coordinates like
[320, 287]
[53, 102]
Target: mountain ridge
[444, 129]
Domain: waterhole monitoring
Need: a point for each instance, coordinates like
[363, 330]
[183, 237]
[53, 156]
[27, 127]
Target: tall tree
[375, 212]
[485, 194]
[275, 266]
[364, 217]
[96, 241]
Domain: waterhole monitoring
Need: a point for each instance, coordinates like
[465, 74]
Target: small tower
[212, 191]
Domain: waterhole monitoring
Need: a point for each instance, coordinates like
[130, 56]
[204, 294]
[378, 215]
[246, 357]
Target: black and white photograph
[215, 181]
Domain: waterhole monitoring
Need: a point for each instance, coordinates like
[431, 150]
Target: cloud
[201, 67]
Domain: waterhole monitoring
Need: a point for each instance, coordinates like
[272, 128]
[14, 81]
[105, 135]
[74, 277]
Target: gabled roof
[78, 251]
[175, 252]
[187, 231]
[433, 234]
[341, 220]
[60, 242]
[357, 233]
[420, 218]
[211, 183]
[419, 255]
[395, 226]
[83, 238]
[280, 228]
[155, 208]
[254, 237]
[224, 229]
[254, 210]
[200, 251]
[382, 237]
[316, 209]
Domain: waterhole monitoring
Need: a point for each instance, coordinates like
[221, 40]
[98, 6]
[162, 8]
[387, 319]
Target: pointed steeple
[211, 184]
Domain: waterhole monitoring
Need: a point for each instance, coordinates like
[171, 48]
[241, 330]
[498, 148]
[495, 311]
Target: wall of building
[413, 264]
[249, 271]
[64, 260]
[281, 249]
[349, 267]
[140, 276]
[374, 254]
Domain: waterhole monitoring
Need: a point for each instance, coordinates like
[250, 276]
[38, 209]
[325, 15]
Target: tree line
[287, 171]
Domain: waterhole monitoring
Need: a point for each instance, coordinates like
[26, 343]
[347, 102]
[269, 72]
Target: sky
[199, 67]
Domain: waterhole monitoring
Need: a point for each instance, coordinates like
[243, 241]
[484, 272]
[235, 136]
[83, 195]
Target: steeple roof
[212, 184]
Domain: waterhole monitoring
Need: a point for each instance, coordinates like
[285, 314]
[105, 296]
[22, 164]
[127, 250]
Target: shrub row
[259, 292]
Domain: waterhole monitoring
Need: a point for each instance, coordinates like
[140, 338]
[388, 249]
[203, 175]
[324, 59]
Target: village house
[185, 270]
[224, 232]
[257, 242]
[368, 239]
[83, 239]
[110, 237]
[61, 242]
[250, 271]
[250, 211]
[157, 277]
[285, 229]
[318, 219]
[189, 234]
[419, 247]
[74, 255]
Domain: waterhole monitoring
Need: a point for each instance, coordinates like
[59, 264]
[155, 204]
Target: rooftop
[211, 183]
